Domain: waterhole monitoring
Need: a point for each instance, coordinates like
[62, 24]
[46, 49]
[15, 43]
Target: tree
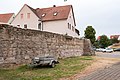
[90, 34]
[114, 40]
[96, 44]
[104, 41]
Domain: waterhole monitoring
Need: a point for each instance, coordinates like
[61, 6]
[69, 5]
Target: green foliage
[65, 68]
[114, 40]
[96, 44]
[104, 41]
[90, 34]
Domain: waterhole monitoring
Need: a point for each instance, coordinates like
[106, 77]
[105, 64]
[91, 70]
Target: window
[55, 14]
[68, 26]
[43, 15]
[39, 26]
[28, 15]
[18, 25]
[21, 16]
[25, 26]
[72, 28]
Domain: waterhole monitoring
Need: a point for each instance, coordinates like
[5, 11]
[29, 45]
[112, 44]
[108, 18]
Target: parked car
[100, 49]
[94, 49]
[118, 49]
[109, 50]
[42, 61]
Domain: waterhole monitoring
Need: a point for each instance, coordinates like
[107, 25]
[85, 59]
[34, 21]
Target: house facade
[7, 18]
[58, 19]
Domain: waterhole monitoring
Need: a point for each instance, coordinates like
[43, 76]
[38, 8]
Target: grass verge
[67, 67]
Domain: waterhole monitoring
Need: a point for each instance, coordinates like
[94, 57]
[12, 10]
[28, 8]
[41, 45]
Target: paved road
[110, 73]
[108, 55]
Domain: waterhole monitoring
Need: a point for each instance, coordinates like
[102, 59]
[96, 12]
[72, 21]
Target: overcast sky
[103, 15]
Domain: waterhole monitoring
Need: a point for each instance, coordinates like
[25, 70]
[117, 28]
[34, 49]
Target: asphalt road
[108, 55]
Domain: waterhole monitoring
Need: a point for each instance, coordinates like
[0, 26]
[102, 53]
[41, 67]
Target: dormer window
[43, 15]
[55, 14]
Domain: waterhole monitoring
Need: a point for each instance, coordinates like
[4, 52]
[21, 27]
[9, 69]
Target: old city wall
[19, 46]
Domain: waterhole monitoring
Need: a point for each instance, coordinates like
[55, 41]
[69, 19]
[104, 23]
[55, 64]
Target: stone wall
[88, 50]
[19, 46]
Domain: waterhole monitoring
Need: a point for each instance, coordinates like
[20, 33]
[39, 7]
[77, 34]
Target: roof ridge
[7, 13]
[53, 7]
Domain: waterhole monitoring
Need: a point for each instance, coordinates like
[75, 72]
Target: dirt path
[100, 63]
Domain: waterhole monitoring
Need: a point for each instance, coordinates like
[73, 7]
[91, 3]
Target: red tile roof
[98, 38]
[5, 17]
[114, 36]
[61, 11]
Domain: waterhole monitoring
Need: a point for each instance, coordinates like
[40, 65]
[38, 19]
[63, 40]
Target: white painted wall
[32, 23]
[119, 38]
[58, 26]
[11, 19]
[70, 20]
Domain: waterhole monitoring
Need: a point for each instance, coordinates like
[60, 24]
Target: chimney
[54, 5]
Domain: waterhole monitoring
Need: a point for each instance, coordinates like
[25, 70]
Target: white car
[100, 49]
[109, 50]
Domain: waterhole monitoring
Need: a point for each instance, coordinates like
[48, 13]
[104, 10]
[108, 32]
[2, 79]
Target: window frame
[40, 26]
[43, 15]
[73, 28]
[25, 26]
[55, 13]
[28, 15]
[22, 16]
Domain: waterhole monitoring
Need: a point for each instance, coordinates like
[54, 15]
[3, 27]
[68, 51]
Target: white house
[7, 18]
[56, 19]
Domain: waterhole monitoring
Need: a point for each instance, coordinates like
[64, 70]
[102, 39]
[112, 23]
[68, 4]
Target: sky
[103, 15]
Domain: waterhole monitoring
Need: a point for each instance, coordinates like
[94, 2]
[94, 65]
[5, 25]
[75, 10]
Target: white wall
[70, 20]
[59, 26]
[32, 23]
[11, 19]
[119, 38]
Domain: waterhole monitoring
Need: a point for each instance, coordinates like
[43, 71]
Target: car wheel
[53, 65]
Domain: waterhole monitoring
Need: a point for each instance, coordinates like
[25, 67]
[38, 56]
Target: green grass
[65, 68]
